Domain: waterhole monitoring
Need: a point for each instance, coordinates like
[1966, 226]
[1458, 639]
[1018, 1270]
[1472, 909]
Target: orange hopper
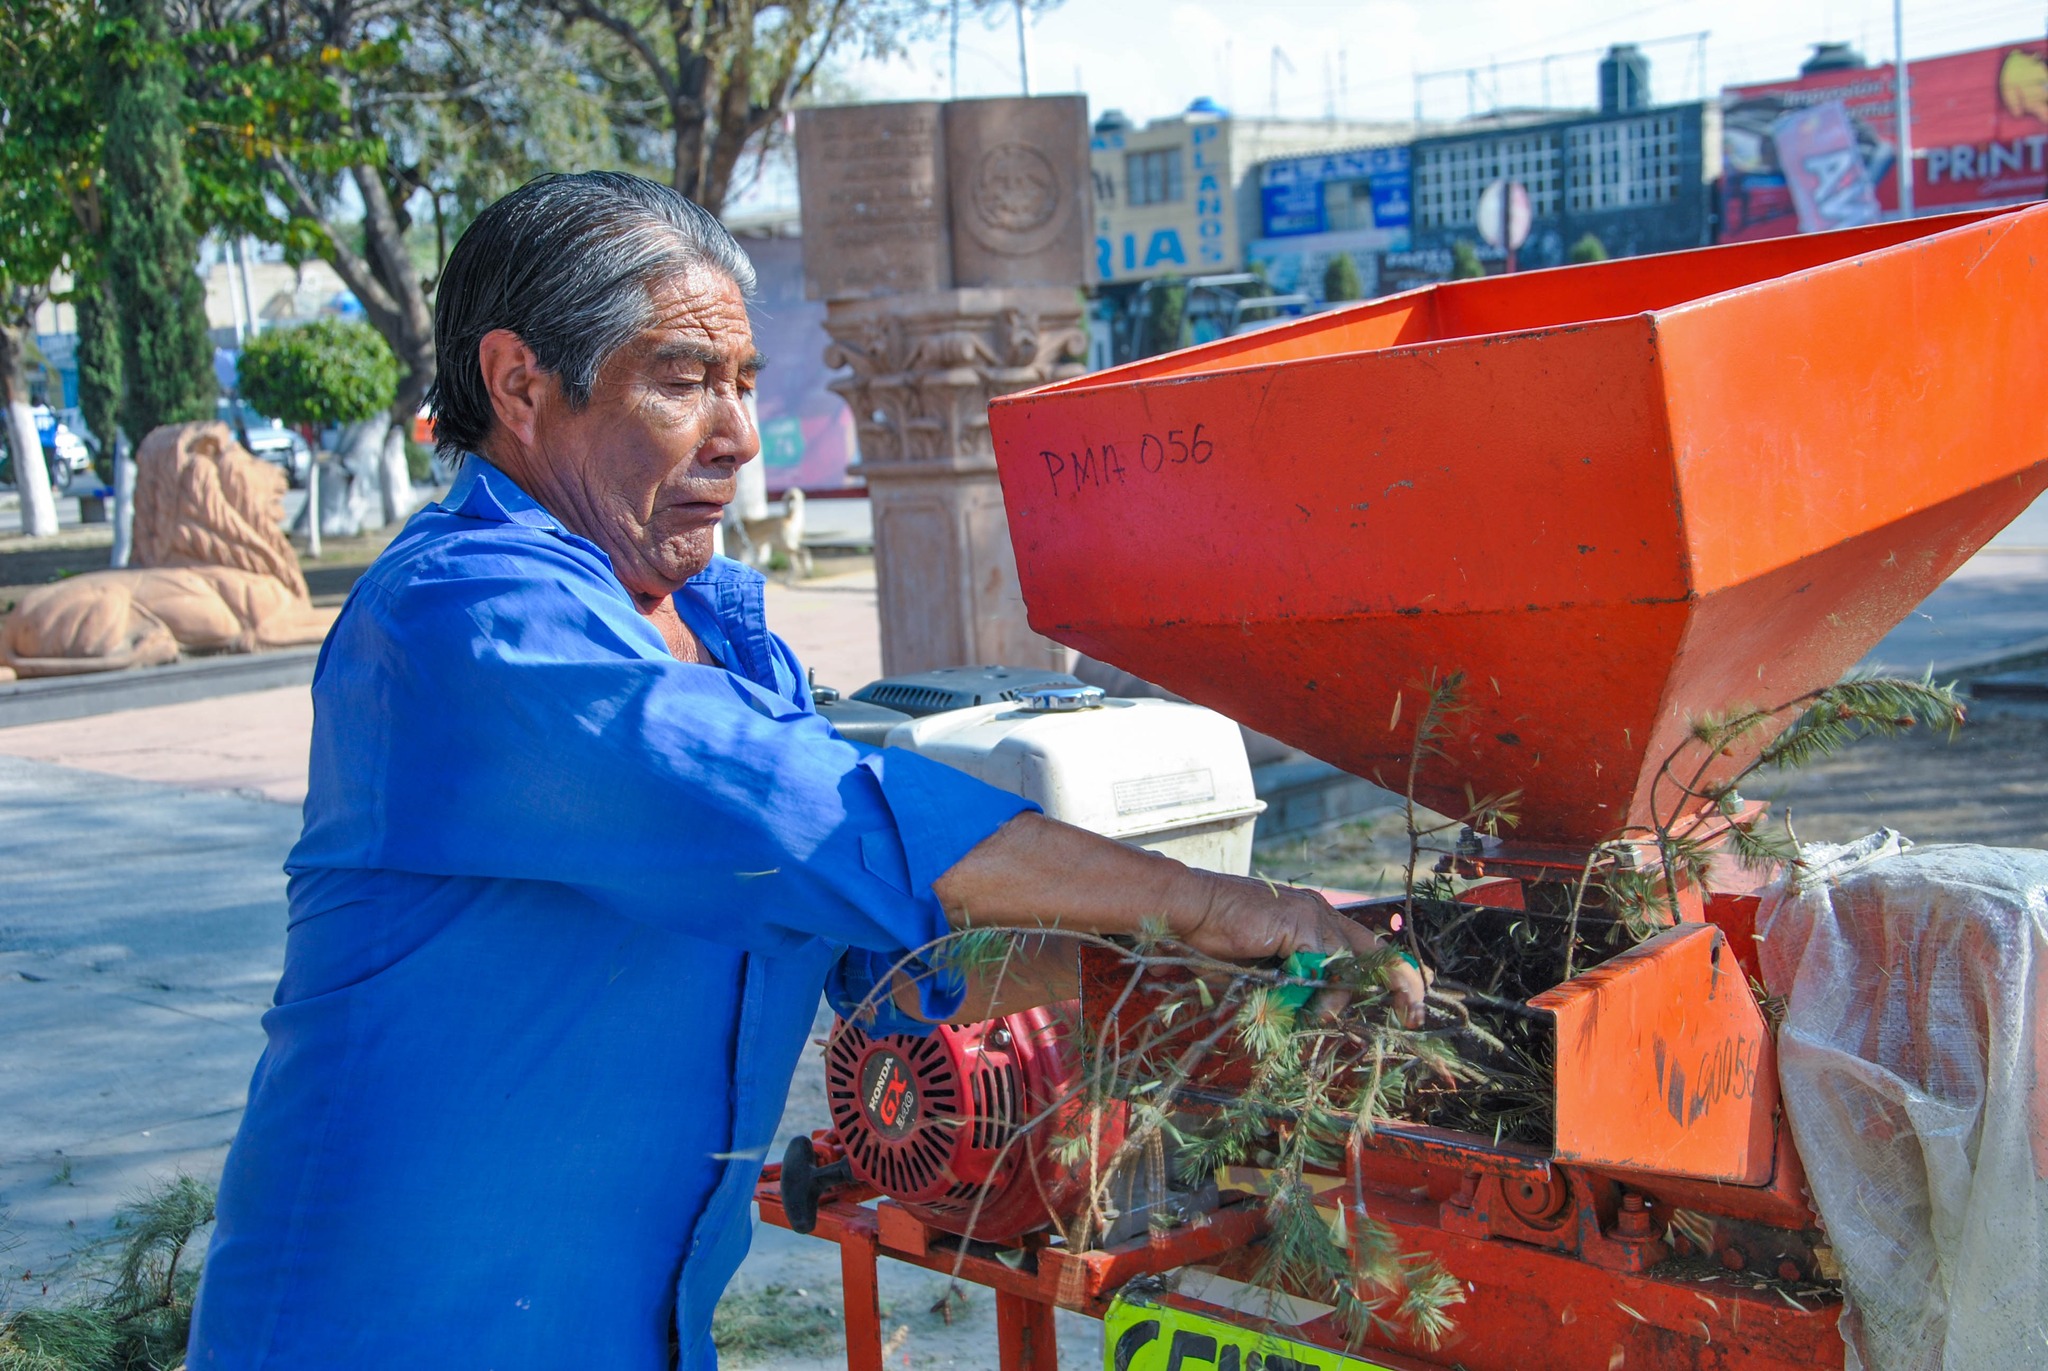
[1616, 497]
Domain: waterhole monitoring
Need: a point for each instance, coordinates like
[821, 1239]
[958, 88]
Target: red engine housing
[938, 1123]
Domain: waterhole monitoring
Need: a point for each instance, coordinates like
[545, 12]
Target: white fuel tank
[1168, 777]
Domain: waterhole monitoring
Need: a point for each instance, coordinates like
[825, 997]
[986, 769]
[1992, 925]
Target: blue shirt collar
[481, 491]
[729, 615]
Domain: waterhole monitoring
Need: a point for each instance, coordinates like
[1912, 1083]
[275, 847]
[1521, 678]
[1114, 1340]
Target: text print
[1726, 1070]
[1097, 466]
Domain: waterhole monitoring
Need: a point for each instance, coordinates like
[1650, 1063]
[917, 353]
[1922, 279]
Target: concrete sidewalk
[141, 933]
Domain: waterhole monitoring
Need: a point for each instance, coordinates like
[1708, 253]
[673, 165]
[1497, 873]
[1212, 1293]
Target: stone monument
[949, 243]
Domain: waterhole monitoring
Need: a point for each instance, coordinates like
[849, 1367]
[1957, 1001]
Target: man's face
[645, 469]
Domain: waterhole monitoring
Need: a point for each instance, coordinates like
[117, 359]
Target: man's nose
[736, 440]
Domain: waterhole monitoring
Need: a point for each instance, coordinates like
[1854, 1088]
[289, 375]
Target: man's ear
[517, 384]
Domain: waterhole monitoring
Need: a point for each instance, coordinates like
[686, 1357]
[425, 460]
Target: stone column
[948, 243]
[923, 368]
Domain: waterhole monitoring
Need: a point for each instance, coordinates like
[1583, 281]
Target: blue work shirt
[560, 916]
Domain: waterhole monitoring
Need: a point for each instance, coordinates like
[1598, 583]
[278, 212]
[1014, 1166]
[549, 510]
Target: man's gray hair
[567, 263]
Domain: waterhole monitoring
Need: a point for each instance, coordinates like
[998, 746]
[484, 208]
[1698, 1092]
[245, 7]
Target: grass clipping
[137, 1312]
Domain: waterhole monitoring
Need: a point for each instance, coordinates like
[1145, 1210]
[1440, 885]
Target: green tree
[1165, 319]
[1341, 280]
[1465, 263]
[151, 252]
[321, 127]
[49, 148]
[1588, 249]
[331, 371]
[99, 369]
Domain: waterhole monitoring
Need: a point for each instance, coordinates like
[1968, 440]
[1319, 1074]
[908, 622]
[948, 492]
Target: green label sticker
[1137, 1336]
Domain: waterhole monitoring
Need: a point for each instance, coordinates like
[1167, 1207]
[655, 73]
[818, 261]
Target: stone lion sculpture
[212, 570]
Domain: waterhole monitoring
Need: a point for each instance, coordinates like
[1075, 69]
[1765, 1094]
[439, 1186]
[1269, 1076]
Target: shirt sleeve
[520, 721]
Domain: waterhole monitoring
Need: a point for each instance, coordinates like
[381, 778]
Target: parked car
[64, 451]
[269, 440]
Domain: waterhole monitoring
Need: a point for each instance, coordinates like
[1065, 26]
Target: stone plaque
[874, 202]
[1020, 190]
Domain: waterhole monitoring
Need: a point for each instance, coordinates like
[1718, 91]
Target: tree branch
[627, 32]
[348, 264]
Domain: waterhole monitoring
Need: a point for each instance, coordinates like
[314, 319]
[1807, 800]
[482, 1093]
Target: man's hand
[1246, 920]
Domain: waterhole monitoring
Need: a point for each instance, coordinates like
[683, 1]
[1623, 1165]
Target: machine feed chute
[1618, 498]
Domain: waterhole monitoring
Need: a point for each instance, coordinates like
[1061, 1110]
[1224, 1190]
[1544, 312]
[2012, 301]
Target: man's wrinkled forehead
[700, 318]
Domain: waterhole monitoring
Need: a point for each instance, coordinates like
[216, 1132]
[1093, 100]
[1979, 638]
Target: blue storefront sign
[1293, 198]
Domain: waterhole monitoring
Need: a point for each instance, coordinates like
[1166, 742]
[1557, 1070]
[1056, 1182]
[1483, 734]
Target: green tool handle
[1305, 965]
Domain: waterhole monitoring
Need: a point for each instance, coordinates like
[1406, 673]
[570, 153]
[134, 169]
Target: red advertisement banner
[1980, 136]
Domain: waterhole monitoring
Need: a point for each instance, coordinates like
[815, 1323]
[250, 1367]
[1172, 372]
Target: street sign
[1488, 218]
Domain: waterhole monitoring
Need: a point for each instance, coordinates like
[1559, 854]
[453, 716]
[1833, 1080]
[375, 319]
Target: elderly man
[579, 856]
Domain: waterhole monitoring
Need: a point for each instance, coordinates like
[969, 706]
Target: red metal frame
[1026, 1295]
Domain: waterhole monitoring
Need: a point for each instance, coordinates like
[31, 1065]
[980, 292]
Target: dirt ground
[1990, 785]
[1987, 785]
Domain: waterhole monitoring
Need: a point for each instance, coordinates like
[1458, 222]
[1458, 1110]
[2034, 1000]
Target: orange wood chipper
[1618, 498]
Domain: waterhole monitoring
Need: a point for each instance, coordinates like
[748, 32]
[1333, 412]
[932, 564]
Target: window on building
[1348, 204]
[1154, 177]
[1448, 178]
[1625, 163]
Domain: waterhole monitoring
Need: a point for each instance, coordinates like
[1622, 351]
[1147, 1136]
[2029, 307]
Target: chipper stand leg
[863, 1298]
[1025, 1337]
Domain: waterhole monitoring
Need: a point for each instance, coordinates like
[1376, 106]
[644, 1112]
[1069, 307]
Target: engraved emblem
[1016, 200]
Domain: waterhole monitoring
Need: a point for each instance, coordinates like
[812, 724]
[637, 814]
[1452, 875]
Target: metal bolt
[1635, 1217]
[1734, 1258]
[1788, 1270]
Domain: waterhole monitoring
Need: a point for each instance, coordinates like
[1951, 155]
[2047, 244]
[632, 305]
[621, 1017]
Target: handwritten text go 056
[1093, 467]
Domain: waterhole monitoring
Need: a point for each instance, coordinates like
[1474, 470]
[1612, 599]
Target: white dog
[759, 539]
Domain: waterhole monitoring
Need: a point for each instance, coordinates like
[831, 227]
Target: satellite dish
[1488, 216]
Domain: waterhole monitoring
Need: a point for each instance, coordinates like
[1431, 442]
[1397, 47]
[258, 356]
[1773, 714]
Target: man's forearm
[1035, 872]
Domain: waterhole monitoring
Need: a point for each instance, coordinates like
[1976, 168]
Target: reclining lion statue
[212, 570]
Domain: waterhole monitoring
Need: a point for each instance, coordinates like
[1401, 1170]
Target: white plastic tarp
[1913, 1064]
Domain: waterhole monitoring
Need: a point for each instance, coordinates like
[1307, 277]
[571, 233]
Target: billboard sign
[1821, 151]
[1294, 198]
[1824, 170]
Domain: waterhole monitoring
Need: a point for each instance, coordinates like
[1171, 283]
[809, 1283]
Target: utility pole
[1902, 102]
[1273, 89]
[1023, 51]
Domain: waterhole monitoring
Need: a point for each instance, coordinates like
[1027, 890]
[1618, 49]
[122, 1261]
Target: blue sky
[1150, 57]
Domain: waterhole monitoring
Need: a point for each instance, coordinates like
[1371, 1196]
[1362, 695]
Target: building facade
[1639, 181]
[1179, 196]
[1315, 208]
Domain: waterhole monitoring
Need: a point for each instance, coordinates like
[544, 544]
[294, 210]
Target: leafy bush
[1465, 263]
[1587, 249]
[1341, 280]
[331, 371]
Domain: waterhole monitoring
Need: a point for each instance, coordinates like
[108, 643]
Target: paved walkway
[141, 932]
